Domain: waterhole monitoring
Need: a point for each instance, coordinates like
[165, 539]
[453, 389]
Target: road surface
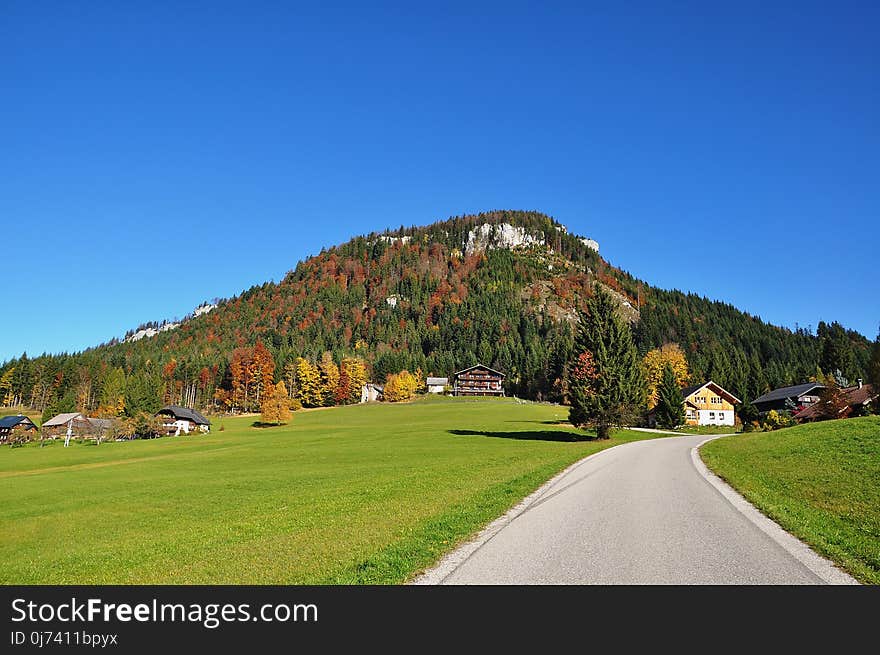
[640, 513]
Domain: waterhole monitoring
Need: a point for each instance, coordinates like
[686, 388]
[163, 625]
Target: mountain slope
[501, 288]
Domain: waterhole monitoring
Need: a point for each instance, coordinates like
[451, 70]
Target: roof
[12, 421]
[184, 412]
[62, 419]
[721, 391]
[854, 396]
[788, 392]
[471, 368]
[437, 381]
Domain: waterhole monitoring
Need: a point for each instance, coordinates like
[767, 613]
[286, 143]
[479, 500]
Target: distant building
[79, 425]
[795, 398]
[12, 425]
[437, 385]
[855, 401]
[709, 404]
[177, 419]
[371, 393]
[478, 380]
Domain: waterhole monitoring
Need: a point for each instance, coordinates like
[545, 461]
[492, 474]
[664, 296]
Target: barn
[177, 419]
[15, 425]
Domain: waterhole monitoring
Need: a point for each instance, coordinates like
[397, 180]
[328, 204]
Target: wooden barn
[478, 380]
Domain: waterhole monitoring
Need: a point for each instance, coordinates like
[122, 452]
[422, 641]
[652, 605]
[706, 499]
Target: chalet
[854, 401]
[177, 419]
[709, 404]
[478, 380]
[12, 426]
[794, 398]
[437, 385]
[79, 424]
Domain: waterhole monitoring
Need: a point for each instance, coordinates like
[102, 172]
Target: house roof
[788, 392]
[854, 396]
[11, 421]
[184, 412]
[471, 368]
[62, 419]
[437, 381]
[721, 391]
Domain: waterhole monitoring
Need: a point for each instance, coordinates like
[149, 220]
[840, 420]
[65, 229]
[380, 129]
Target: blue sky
[155, 156]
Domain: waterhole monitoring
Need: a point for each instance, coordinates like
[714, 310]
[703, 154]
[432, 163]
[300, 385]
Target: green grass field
[361, 494]
[819, 481]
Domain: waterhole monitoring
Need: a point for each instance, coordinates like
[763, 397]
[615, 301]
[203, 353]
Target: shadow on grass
[260, 424]
[530, 435]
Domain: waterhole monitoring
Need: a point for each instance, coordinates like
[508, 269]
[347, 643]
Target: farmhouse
[793, 398]
[11, 426]
[852, 401]
[437, 385]
[177, 419]
[708, 404]
[478, 380]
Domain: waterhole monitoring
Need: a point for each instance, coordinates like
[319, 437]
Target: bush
[776, 420]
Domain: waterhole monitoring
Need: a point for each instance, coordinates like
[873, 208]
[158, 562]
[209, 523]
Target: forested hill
[499, 288]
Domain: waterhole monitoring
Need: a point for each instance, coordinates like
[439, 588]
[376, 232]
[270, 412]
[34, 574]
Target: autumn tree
[263, 367]
[308, 384]
[6, 393]
[352, 378]
[616, 392]
[654, 364]
[112, 401]
[329, 379]
[669, 410]
[275, 406]
[400, 386]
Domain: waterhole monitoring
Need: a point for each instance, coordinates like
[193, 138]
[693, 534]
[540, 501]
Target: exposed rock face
[152, 332]
[590, 243]
[502, 235]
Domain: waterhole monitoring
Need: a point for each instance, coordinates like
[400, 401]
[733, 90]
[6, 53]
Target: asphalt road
[640, 513]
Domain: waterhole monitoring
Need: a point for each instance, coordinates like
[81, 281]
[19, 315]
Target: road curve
[640, 513]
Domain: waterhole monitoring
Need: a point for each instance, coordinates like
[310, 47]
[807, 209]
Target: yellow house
[709, 404]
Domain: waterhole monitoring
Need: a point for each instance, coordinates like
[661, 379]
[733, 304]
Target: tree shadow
[530, 435]
[552, 422]
[260, 424]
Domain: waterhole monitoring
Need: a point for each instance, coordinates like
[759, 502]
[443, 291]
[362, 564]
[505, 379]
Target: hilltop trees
[610, 390]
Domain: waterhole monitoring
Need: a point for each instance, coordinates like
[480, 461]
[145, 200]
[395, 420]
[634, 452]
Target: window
[711, 416]
[716, 400]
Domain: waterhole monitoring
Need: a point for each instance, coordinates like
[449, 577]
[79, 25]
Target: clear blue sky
[155, 156]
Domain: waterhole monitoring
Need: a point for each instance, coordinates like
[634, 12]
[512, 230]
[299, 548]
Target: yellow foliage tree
[655, 362]
[400, 386]
[352, 378]
[308, 384]
[275, 407]
[329, 378]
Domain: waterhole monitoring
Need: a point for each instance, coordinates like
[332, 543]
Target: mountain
[501, 288]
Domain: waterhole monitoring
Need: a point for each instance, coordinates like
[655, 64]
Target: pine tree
[874, 365]
[669, 409]
[617, 392]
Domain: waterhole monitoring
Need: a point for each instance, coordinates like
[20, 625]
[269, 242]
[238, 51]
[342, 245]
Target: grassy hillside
[358, 494]
[821, 482]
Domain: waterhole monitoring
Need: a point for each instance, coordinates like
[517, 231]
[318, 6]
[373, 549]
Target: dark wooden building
[793, 398]
[478, 380]
[10, 426]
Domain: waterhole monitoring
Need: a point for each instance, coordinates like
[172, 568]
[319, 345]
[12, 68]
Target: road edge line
[820, 566]
[447, 564]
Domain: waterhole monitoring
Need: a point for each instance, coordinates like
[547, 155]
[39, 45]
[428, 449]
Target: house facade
[709, 404]
[371, 393]
[795, 398]
[177, 420]
[437, 385]
[11, 427]
[478, 380]
[852, 401]
[79, 425]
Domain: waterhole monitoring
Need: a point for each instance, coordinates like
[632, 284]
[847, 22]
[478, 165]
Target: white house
[437, 385]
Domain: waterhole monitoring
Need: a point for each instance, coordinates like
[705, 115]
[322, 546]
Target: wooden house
[709, 404]
[478, 380]
[177, 419]
[79, 425]
[851, 401]
[795, 398]
[11, 427]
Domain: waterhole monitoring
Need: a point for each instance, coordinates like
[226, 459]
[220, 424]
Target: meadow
[361, 494]
[820, 481]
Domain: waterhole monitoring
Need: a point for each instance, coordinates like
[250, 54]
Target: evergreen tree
[670, 408]
[874, 365]
[616, 392]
